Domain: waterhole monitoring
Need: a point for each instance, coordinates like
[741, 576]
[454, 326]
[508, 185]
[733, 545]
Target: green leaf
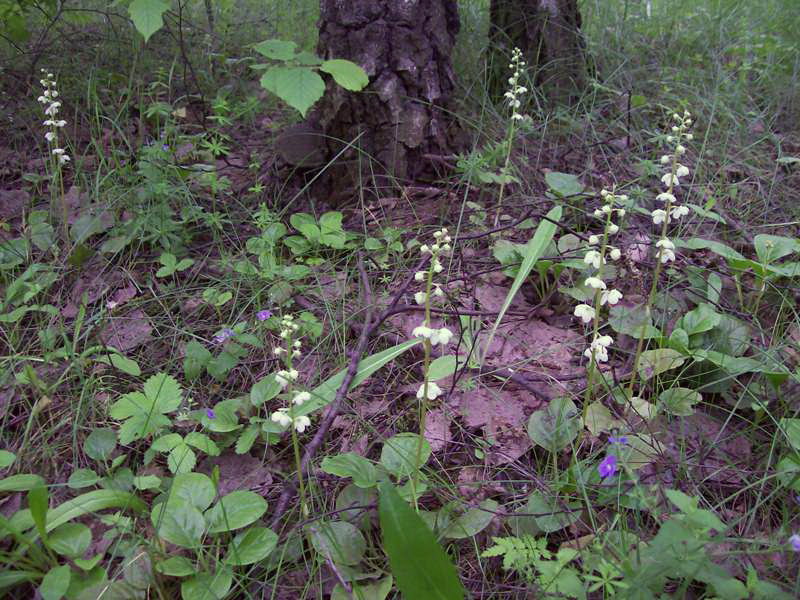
[7, 459]
[195, 360]
[632, 321]
[472, 522]
[92, 502]
[166, 442]
[716, 247]
[20, 483]
[679, 401]
[251, 546]
[351, 465]
[534, 248]
[365, 591]
[399, 454]
[195, 489]
[276, 49]
[208, 586]
[346, 73]
[39, 504]
[770, 248]
[235, 510]
[147, 482]
[552, 514]
[420, 566]
[70, 540]
[703, 318]
[597, 419]
[299, 87]
[563, 184]
[55, 583]
[443, 366]
[555, 426]
[100, 443]
[176, 566]
[179, 523]
[339, 541]
[118, 361]
[145, 411]
[247, 438]
[147, 16]
[654, 362]
[81, 478]
[181, 459]
[202, 442]
[265, 389]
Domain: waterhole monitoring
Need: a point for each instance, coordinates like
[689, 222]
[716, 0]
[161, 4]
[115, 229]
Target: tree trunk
[405, 46]
[548, 33]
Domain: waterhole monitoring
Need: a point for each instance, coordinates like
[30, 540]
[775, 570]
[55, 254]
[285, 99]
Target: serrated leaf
[346, 73]
[419, 565]
[147, 16]
[181, 459]
[299, 87]
[202, 442]
[246, 439]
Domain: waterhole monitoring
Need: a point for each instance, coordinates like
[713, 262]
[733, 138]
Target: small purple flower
[795, 542]
[623, 439]
[165, 147]
[263, 315]
[608, 467]
[210, 414]
[224, 335]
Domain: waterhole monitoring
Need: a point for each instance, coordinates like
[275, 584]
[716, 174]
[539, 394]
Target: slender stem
[510, 142]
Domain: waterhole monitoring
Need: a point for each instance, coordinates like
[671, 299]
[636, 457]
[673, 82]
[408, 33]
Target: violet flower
[608, 466]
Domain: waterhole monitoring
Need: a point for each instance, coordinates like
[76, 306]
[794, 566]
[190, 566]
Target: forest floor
[189, 241]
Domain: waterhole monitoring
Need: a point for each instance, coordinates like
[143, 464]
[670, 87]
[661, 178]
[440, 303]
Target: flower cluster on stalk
[598, 252]
[49, 99]
[286, 377]
[515, 90]
[665, 249]
[433, 336]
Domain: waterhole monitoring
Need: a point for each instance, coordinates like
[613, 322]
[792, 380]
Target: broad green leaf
[247, 438]
[55, 583]
[365, 591]
[235, 510]
[123, 363]
[324, 393]
[555, 426]
[70, 540]
[202, 442]
[632, 321]
[338, 541]
[145, 411]
[276, 49]
[81, 478]
[195, 360]
[443, 366]
[181, 459]
[770, 248]
[176, 566]
[351, 465]
[100, 443]
[399, 454]
[472, 522]
[39, 504]
[264, 389]
[716, 247]
[299, 87]
[347, 74]
[420, 566]
[703, 318]
[533, 251]
[654, 362]
[598, 419]
[552, 514]
[7, 459]
[563, 184]
[195, 489]
[166, 442]
[147, 482]
[92, 502]
[147, 16]
[679, 401]
[356, 499]
[179, 523]
[208, 586]
[251, 546]
[20, 483]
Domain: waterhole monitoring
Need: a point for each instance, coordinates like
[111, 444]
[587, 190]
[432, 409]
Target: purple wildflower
[224, 335]
[263, 315]
[165, 147]
[608, 467]
[210, 414]
[795, 542]
[623, 439]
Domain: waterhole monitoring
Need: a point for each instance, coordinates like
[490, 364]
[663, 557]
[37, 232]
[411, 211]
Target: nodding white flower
[605, 209]
[666, 250]
[599, 213]
[612, 228]
[281, 416]
[665, 160]
[300, 423]
[659, 216]
[435, 248]
[422, 331]
[667, 256]
[670, 139]
[301, 397]
[298, 344]
[296, 353]
[665, 243]
[605, 340]
[594, 240]
[610, 296]
[615, 254]
[675, 129]
[517, 117]
[666, 197]
[43, 99]
[434, 391]
[595, 282]
[437, 266]
[63, 159]
[594, 258]
[621, 212]
[437, 291]
[57, 151]
[604, 193]
[679, 211]
[420, 297]
[689, 137]
[278, 351]
[682, 171]
[420, 275]
[670, 179]
[60, 123]
[441, 336]
[52, 110]
[680, 149]
[584, 312]
[50, 136]
[600, 353]
[622, 198]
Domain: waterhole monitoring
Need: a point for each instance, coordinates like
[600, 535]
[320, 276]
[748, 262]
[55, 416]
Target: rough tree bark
[548, 33]
[405, 47]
